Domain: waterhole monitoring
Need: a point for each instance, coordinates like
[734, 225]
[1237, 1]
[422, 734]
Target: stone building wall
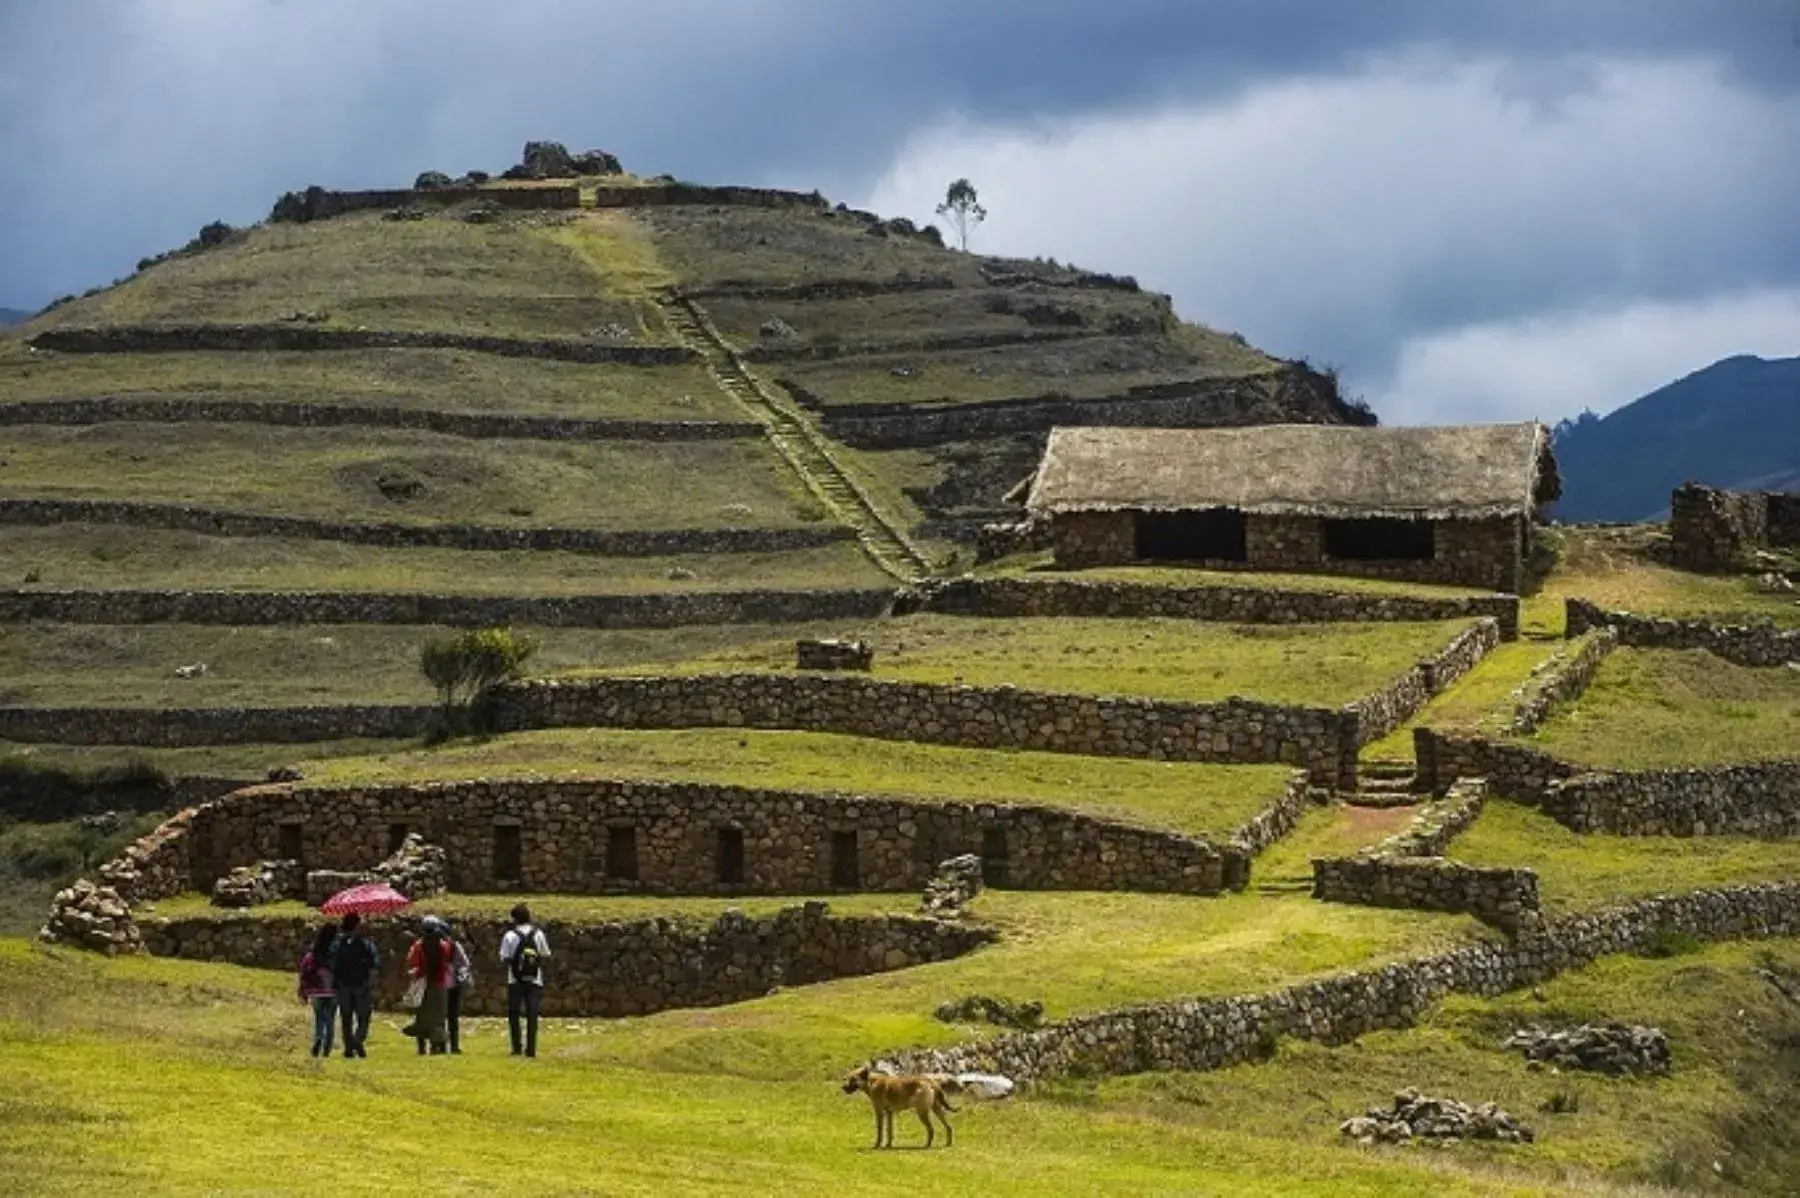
[561, 836]
[1320, 740]
[319, 203]
[1762, 799]
[1010, 597]
[1210, 1033]
[147, 339]
[350, 607]
[1755, 645]
[1716, 531]
[1480, 553]
[1522, 774]
[184, 409]
[1782, 514]
[1564, 679]
[615, 968]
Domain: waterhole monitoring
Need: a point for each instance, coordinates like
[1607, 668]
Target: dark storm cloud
[125, 124]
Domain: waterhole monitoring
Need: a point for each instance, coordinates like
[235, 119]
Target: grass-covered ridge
[1165, 659]
[1198, 799]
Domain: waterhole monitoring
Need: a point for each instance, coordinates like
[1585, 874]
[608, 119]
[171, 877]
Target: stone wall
[481, 611]
[1745, 644]
[1278, 819]
[1782, 512]
[564, 837]
[1563, 679]
[630, 542]
[816, 289]
[1716, 531]
[615, 968]
[1010, 597]
[175, 727]
[1321, 740]
[1515, 771]
[319, 203]
[184, 409]
[1481, 553]
[1386, 709]
[1209, 1033]
[1762, 799]
[925, 343]
[657, 195]
[146, 339]
[1437, 822]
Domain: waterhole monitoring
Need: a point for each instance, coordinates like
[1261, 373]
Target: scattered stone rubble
[263, 882]
[833, 655]
[416, 869]
[1415, 1116]
[955, 885]
[1614, 1048]
[92, 917]
[983, 1008]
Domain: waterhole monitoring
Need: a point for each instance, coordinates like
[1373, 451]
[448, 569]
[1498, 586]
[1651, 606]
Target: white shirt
[509, 948]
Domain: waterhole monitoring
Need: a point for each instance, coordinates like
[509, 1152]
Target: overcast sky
[1480, 209]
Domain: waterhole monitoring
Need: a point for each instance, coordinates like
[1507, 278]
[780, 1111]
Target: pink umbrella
[370, 898]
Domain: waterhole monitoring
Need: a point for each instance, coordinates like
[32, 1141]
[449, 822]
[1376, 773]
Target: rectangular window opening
[1210, 534]
[509, 853]
[396, 837]
[846, 870]
[1381, 540]
[621, 855]
[288, 842]
[730, 859]
[993, 857]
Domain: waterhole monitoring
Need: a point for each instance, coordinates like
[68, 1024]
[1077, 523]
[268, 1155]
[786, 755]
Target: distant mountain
[12, 316]
[1734, 424]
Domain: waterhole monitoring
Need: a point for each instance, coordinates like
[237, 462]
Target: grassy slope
[438, 379]
[340, 473]
[1581, 872]
[1664, 708]
[1197, 798]
[1040, 567]
[1171, 659]
[1611, 567]
[1482, 701]
[707, 1102]
[119, 556]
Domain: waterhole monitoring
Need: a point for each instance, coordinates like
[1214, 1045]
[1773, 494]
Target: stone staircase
[1383, 782]
[801, 445]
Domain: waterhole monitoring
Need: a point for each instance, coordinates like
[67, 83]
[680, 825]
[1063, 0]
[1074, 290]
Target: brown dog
[889, 1093]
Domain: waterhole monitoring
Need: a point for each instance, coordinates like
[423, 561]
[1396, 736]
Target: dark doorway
[993, 857]
[846, 870]
[1211, 534]
[287, 842]
[621, 854]
[509, 854]
[1381, 540]
[731, 856]
[396, 837]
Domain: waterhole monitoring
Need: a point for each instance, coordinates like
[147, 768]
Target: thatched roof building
[1471, 472]
[1425, 504]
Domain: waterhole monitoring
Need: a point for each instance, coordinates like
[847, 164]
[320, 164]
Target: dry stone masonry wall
[1716, 531]
[1209, 1033]
[1519, 773]
[1762, 799]
[1386, 709]
[150, 339]
[1756, 645]
[1563, 679]
[615, 968]
[175, 727]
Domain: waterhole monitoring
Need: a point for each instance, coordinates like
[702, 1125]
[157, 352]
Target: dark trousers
[453, 1017]
[356, 1004]
[523, 998]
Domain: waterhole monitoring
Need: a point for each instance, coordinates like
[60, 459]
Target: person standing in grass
[463, 974]
[523, 950]
[316, 988]
[429, 960]
[354, 962]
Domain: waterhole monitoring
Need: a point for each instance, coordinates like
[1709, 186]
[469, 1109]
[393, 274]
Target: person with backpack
[463, 975]
[316, 988]
[354, 962]
[523, 950]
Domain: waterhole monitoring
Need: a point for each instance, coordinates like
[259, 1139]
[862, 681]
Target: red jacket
[415, 964]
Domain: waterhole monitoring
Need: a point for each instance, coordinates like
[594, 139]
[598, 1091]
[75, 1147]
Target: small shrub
[1666, 944]
[1562, 1102]
[464, 666]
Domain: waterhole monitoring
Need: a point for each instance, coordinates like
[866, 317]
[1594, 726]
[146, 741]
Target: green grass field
[134, 665]
[1481, 701]
[434, 379]
[1579, 871]
[1666, 708]
[1613, 567]
[1165, 659]
[120, 556]
[366, 474]
[1040, 566]
[1196, 798]
[505, 278]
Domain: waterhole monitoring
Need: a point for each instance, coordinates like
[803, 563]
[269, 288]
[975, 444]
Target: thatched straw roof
[1296, 469]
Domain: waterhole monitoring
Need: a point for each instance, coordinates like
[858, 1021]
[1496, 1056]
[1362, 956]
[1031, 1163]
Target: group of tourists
[337, 977]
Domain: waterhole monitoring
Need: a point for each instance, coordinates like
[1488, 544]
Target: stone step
[1379, 798]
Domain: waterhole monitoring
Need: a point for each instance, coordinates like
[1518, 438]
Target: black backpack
[354, 963]
[526, 966]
